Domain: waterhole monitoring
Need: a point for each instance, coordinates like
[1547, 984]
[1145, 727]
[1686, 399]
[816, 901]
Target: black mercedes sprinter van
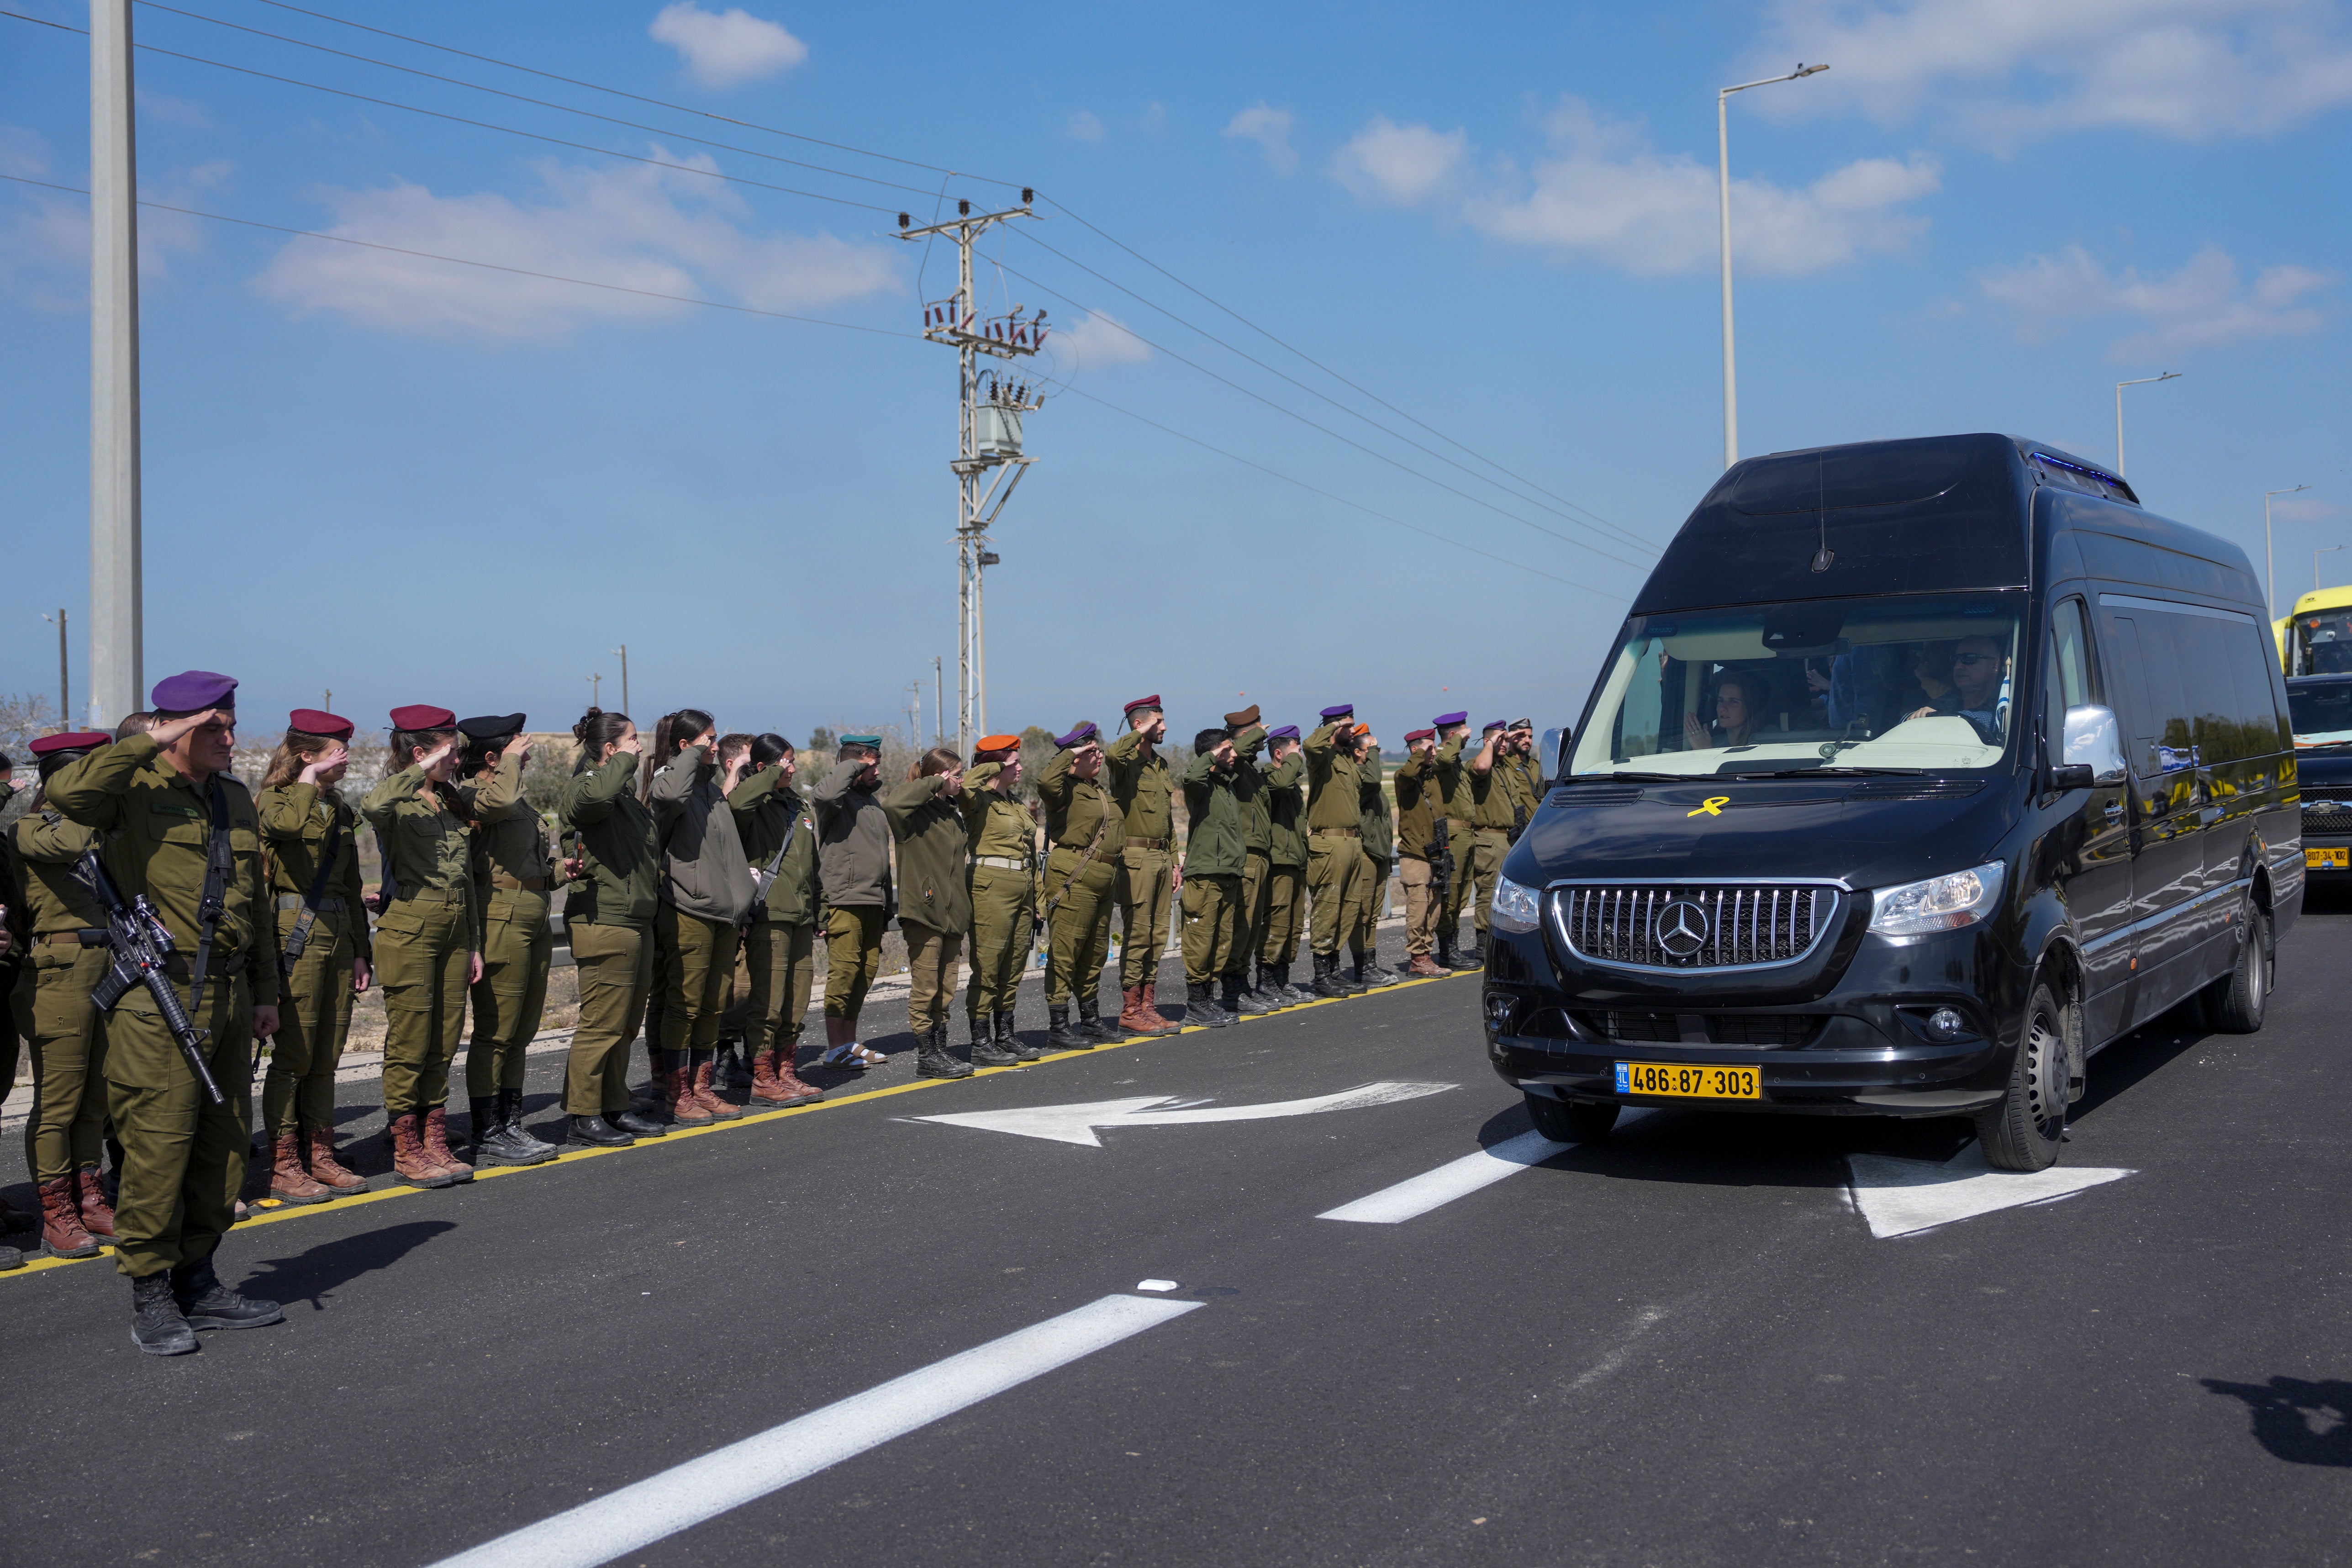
[1921, 770]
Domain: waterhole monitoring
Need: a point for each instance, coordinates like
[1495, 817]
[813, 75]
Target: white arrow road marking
[684, 1495]
[1904, 1197]
[1435, 1189]
[1076, 1123]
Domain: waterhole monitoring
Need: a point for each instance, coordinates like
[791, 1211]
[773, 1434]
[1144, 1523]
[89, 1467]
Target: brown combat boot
[796, 1089]
[767, 1094]
[1424, 967]
[409, 1160]
[677, 1092]
[289, 1182]
[1133, 1017]
[97, 1214]
[705, 1093]
[62, 1231]
[325, 1168]
[436, 1138]
[1155, 1023]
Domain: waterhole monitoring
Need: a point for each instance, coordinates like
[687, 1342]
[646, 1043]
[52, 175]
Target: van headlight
[1515, 907]
[1941, 903]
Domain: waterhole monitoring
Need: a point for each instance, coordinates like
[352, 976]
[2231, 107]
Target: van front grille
[1721, 1029]
[1693, 926]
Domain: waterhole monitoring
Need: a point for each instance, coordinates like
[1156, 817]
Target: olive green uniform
[705, 892]
[1285, 875]
[299, 823]
[1452, 769]
[1142, 787]
[426, 939]
[1257, 843]
[1380, 854]
[779, 938]
[1215, 847]
[608, 916]
[1002, 834]
[183, 1157]
[513, 880]
[1520, 792]
[934, 893]
[1080, 816]
[12, 963]
[1417, 807]
[65, 1131]
[1335, 840]
[1490, 837]
[853, 860]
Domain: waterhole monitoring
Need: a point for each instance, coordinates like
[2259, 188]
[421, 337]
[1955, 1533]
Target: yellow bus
[2316, 637]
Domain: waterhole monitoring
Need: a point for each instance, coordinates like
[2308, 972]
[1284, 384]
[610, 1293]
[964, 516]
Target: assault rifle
[138, 942]
[1441, 862]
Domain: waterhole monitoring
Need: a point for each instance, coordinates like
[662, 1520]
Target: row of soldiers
[696, 874]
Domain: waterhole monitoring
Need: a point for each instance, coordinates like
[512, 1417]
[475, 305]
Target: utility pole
[2143, 381]
[597, 691]
[914, 713]
[327, 700]
[1723, 198]
[989, 407]
[623, 651]
[65, 708]
[116, 657]
[938, 705]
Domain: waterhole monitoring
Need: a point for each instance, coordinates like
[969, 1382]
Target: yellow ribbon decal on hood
[1712, 806]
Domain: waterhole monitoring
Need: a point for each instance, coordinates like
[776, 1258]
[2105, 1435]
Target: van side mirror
[2092, 752]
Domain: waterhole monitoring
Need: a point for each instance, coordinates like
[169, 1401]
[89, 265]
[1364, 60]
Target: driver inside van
[1978, 666]
[1739, 710]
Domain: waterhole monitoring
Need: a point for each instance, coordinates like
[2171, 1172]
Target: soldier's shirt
[425, 844]
[1332, 794]
[53, 899]
[1141, 787]
[1417, 803]
[1074, 806]
[1453, 778]
[509, 841]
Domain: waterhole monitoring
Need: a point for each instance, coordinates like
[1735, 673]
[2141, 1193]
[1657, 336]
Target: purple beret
[1344, 710]
[1287, 732]
[1447, 720]
[1078, 737]
[1493, 724]
[193, 691]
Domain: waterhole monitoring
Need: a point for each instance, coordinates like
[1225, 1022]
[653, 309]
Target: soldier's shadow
[2301, 1421]
[313, 1275]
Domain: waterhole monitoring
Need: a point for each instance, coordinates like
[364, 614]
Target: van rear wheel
[2234, 1003]
[2023, 1130]
[1572, 1120]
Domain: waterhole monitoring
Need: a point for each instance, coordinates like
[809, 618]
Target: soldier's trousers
[697, 958]
[511, 996]
[1286, 904]
[1334, 874]
[931, 958]
[1420, 905]
[1146, 886]
[183, 1157]
[9, 971]
[1458, 837]
[1212, 905]
[852, 957]
[779, 962]
[1249, 918]
[1481, 863]
[314, 1019]
[1080, 934]
[421, 958]
[1003, 905]
[615, 965]
[1371, 902]
[51, 1010]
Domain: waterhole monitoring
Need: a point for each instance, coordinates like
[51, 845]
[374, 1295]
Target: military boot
[62, 1231]
[705, 1089]
[1160, 1026]
[932, 1058]
[1010, 1042]
[1292, 995]
[490, 1145]
[205, 1303]
[97, 1213]
[1369, 971]
[325, 1168]
[1201, 1009]
[409, 1160]
[1240, 1000]
[596, 1133]
[985, 1051]
[1059, 1033]
[637, 1123]
[1477, 957]
[1132, 1019]
[677, 1092]
[1091, 1022]
[731, 1071]
[435, 1135]
[797, 1090]
[156, 1325]
[1327, 979]
[510, 1117]
[1445, 951]
[289, 1182]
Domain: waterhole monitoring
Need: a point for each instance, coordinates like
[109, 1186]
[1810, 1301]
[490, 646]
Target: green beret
[872, 741]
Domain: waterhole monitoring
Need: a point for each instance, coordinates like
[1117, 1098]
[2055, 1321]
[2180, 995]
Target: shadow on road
[314, 1275]
[2302, 1423]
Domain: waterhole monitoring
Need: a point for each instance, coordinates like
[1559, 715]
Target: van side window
[2252, 657]
[2069, 682]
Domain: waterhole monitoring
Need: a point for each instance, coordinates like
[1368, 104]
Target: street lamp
[1723, 184]
[2314, 562]
[2270, 562]
[65, 710]
[2143, 381]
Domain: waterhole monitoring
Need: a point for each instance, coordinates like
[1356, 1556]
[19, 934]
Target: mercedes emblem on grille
[1681, 929]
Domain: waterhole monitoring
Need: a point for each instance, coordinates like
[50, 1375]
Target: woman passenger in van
[1738, 710]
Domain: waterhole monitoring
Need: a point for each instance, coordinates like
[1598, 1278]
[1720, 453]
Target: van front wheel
[2023, 1130]
[1572, 1120]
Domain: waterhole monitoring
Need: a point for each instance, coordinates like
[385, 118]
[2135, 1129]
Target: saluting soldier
[1142, 784]
[1490, 830]
[1087, 830]
[13, 928]
[181, 830]
[1335, 846]
[608, 916]
[1379, 855]
[705, 891]
[1257, 843]
[1286, 879]
[64, 1133]
[1418, 806]
[323, 950]
[1001, 836]
[513, 876]
[854, 858]
[1215, 847]
[428, 938]
[935, 892]
[778, 834]
[1453, 775]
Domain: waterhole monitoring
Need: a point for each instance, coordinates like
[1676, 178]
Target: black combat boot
[1091, 1022]
[488, 1135]
[1445, 950]
[1007, 1041]
[1327, 976]
[1240, 1000]
[596, 1133]
[1059, 1033]
[205, 1303]
[156, 1325]
[932, 1058]
[510, 1117]
[985, 1052]
[1367, 972]
[1477, 957]
[1267, 989]
[1293, 994]
[1201, 1009]
[635, 1123]
[731, 1072]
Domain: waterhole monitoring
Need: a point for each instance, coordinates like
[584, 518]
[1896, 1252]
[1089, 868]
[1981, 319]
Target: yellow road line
[272, 1211]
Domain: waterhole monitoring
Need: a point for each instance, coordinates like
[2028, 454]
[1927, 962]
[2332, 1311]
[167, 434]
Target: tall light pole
[2270, 561]
[116, 607]
[1723, 182]
[65, 708]
[2323, 550]
[623, 652]
[2143, 381]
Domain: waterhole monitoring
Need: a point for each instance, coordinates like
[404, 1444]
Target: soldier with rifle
[183, 838]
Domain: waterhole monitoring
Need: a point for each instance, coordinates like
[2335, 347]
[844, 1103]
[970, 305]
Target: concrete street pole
[117, 678]
[1723, 220]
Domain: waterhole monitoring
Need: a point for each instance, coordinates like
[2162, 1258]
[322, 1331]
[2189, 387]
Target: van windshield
[2322, 712]
[1922, 684]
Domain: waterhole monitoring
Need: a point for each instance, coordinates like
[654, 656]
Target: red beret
[72, 740]
[318, 721]
[1151, 702]
[1413, 737]
[420, 716]
[998, 743]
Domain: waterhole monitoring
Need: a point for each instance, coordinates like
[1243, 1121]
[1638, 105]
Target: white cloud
[161, 107]
[726, 49]
[1270, 128]
[2009, 70]
[1601, 190]
[639, 227]
[44, 234]
[2303, 508]
[1097, 343]
[2206, 304]
[1083, 126]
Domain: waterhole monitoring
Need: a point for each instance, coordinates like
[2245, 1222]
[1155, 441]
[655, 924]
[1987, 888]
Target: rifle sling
[219, 863]
[300, 938]
[1084, 861]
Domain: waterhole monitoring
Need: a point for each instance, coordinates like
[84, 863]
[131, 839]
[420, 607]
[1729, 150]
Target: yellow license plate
[2327, 860]
[1683, 1083]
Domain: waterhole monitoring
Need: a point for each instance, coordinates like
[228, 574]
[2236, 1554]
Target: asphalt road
[1684, 1344]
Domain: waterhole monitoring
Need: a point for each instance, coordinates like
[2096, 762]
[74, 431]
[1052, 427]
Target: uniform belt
[63, 938]
[1148, 843]
[294, 901]
[432, 895]
[505, 884]
[1342, 832]
[224, 966]
[1002, 862]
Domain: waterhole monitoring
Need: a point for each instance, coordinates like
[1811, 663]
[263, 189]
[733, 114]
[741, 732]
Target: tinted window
[1889, 473]
[2167, 727]
[2253, 658]
[2069, 682]
[2214, 717]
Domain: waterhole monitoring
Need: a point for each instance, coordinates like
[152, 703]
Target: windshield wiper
[1636, 777]
[1835, 772]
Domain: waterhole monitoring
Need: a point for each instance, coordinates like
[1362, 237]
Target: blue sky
[406, 481]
